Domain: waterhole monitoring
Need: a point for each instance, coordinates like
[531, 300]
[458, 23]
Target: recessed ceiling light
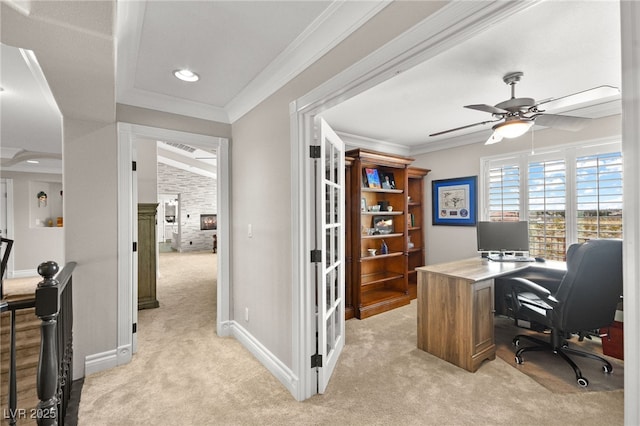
[33, 161]
[186, 75]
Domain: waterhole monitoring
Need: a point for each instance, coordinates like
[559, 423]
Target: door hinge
[134, 166]
[135, 327]
[135, 246]
[314, 151]
[316, 256]
[316, 360]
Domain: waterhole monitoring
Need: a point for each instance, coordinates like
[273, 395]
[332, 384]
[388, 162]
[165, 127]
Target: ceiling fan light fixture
[513, 128]
[186, 75]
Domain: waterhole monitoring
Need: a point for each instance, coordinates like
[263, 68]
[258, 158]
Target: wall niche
[45, 205]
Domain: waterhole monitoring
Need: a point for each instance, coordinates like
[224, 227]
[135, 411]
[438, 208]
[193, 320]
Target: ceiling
[245, 50]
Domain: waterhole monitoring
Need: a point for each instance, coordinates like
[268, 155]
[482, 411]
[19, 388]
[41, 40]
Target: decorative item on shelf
[383, 224]
[410, 244]
[372, 252]
[59, 221]
[388, 181]
[372, 178]
[389, 208]
[384, 249]
[383, 205]
[363, 204]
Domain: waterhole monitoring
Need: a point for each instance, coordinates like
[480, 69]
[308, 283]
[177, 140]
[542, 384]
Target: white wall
[147, 172]
[90, 182]
[447, 243]
[35, 244]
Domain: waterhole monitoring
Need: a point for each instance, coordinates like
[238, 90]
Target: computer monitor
[503, 237]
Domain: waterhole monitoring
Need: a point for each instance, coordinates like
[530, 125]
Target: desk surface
[478, 268]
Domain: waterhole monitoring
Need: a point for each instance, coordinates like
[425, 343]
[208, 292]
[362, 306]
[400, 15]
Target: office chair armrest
[523, 284]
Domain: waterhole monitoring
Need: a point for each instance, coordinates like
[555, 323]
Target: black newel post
[47, 308]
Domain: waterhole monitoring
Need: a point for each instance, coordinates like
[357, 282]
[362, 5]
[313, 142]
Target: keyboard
[512, 259]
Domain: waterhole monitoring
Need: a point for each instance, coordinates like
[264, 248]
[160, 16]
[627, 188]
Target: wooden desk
[456, 308]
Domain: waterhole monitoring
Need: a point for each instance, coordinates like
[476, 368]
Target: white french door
[329, 253]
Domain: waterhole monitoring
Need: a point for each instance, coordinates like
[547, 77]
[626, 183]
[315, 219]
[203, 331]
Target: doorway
[128, 135]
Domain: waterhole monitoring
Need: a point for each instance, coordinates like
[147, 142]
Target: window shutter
[547, 209]
[599, 196]
[504, 193]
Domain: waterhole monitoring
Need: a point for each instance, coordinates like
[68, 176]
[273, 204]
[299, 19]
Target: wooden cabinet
[381, 220]
[147, 256]
[416, 239]
[455, 318]
[349, 310]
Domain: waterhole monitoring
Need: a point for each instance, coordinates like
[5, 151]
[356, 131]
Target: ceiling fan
[516, 115]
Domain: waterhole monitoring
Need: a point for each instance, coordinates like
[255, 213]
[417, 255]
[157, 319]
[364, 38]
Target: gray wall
[261, 185]
[197, 196]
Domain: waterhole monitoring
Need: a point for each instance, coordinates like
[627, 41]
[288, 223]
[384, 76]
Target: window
[504, 193]
[568, 195]
[547, 208]
[599, 196]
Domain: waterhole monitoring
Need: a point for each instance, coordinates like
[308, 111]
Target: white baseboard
[270, 361]
[99, 362]
[24, 273]
[224, 328]
[105, 360]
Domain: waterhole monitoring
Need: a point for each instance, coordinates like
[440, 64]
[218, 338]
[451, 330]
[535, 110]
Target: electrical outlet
[246, 314]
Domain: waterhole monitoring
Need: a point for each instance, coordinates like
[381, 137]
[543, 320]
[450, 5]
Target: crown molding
[165, 103]
[335, 24]
[356, 141]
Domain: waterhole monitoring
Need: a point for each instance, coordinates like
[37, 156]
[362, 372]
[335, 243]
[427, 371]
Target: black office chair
[586, 299]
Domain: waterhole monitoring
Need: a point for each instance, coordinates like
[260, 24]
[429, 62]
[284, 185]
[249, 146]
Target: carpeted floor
[184, 374]
[550, 370]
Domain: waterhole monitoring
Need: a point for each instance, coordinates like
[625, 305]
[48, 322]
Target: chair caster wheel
[519, 359]
[516, 342]
[607, 369]
[583, 382]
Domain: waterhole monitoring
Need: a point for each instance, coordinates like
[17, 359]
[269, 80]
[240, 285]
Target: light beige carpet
[184, 374]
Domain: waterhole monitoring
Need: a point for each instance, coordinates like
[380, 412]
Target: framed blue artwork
[455, 201]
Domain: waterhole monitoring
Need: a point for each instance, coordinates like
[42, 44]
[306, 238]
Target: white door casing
[127, 134]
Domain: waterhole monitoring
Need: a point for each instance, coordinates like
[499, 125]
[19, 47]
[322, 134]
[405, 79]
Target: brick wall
[197, 196]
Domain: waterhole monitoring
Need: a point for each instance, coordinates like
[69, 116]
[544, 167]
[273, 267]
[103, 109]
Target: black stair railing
[13, 413]
[54, 307]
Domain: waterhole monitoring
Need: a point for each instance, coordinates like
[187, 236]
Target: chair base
[559, 348]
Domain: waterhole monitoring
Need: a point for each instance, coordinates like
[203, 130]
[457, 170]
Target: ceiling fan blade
[562, 122]
[487, 108]
[495, 138]
[464, 127]
[589, 95]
